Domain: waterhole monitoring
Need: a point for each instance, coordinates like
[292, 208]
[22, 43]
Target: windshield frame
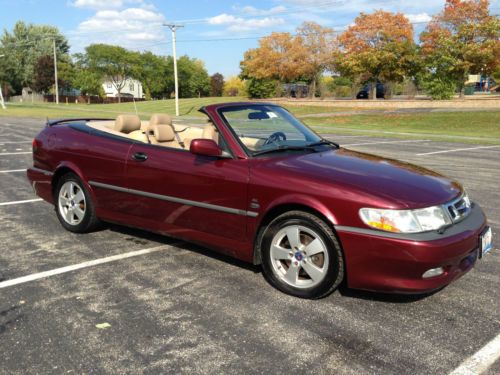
[257, 106]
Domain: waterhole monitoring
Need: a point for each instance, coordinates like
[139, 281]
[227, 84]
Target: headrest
[164, 133]
[160, 119]
[209, 132]
[127, 123]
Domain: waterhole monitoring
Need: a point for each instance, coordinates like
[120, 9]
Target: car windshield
[268, 128]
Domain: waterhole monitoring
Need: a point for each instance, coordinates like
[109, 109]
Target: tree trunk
[374, 91]
[312, 94]
[119, 96]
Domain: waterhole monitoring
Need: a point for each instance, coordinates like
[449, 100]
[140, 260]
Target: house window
[110, 86]
[131, 87]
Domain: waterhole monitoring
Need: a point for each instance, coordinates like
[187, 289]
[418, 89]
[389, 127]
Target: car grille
[459, 208]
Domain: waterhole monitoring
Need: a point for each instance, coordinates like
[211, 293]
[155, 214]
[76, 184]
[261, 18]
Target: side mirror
[205, 147]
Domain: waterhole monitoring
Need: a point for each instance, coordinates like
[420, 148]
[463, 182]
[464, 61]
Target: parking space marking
[457, 150]
[74, 267]
[15, 153]
[385, 142]
[480, 361]
[20, 202]
[14, 171]
[13, 142]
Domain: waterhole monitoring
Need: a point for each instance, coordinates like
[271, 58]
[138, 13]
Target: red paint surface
[334, 183]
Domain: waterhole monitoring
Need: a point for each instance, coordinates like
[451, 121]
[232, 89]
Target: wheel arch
[65, 168]
[278, 209]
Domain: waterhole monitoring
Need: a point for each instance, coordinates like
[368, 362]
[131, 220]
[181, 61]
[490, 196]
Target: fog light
[433, 272]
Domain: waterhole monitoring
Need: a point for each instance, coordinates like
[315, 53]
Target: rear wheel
[301, 255]
[74, 206]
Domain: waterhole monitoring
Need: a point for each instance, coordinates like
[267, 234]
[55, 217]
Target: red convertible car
[255, 183]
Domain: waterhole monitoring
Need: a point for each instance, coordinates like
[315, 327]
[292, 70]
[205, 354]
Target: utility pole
[2, 103]
[55, 70]
[174, 28]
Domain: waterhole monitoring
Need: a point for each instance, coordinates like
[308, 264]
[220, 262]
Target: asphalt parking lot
[179, 308]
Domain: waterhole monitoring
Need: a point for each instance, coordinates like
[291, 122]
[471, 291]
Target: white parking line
[456, 150]
[385, 142]
[14, 171]
[13, 142]
[15, 153]
[20, 202]
[74, 267]
[481, 360]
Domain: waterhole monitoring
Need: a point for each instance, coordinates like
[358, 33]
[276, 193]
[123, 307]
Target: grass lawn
[187, 107]
[480, 127]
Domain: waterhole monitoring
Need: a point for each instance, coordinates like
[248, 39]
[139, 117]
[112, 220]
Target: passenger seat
[157, 126]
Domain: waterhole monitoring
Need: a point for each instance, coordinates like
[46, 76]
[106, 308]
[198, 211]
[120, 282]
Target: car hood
[397, 184]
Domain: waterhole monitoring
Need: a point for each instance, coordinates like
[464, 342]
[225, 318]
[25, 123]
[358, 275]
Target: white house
[132, 88]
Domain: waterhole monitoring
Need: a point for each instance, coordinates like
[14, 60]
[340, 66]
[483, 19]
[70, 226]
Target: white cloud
[238, 24]
[98, 4]
[127, 27]
[252, 11]
[418, 18]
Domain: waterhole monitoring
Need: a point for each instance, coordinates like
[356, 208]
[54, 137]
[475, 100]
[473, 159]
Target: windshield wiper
[324, 142]
[283, 148]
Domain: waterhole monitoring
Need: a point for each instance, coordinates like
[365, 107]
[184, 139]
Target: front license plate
[485, 242]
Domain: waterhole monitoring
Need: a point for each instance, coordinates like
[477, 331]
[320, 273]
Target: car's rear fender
[69, 167]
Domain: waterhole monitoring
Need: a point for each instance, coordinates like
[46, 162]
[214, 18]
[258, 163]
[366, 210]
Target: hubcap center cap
[299, 256]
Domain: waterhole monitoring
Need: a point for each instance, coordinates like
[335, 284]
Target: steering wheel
[275, 137]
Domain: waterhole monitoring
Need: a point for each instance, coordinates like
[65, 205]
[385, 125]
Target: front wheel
[301, 255]
[74, 206]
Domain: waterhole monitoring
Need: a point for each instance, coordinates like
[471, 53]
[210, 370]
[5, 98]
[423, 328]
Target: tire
[74, 206]
[301, 256]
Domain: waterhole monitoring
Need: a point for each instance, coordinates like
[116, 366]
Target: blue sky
[216, 31]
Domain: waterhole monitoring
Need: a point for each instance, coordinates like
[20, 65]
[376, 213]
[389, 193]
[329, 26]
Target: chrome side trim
[47, 173]
[176, 200]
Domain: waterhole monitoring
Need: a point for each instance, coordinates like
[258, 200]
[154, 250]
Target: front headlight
[405, 221]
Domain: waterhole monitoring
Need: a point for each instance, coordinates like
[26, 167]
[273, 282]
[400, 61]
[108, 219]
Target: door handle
[140, 156]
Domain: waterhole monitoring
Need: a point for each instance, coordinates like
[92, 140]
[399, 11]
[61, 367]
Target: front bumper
[391, 262]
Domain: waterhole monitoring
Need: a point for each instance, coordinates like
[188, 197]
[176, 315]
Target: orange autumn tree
[463, 39]
[288, 58]
[279, 56]
[378, 47]
[319, 43]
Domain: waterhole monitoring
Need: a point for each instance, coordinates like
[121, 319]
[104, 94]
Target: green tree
[23, 47]
[156, 74]
[261, 88]
[112, 63]
[463, 39]
[193, 78]
[88, 82]
[216, 84]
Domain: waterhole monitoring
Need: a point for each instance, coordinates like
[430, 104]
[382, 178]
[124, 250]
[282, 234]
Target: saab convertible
[255, 183]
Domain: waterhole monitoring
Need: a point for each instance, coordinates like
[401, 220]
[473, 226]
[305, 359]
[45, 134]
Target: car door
[178, 192]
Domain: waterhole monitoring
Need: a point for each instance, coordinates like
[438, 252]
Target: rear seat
[131, 126]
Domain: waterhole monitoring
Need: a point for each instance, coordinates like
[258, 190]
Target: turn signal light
[34, 146]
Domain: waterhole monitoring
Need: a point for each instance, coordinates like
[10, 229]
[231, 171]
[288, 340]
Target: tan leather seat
[210, 132]
[160, 119]
[127, 123]
[164, 135]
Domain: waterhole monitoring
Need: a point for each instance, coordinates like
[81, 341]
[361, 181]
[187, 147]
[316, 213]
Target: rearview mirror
[205, 147]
